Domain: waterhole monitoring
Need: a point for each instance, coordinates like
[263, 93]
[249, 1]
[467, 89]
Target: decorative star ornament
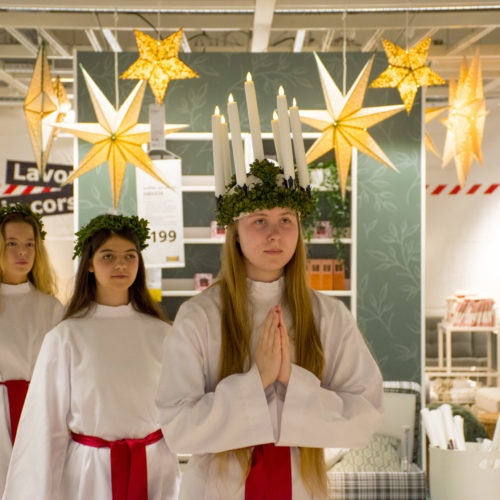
[466, 117]
[117, 137]
[430, 114]
[407, 71]
[158, 63]
[344, 123]
[46, 103]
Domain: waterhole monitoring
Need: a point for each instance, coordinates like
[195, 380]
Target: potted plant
[329, 205]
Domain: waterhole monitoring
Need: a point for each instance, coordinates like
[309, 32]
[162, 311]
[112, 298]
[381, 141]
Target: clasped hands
[272, 355]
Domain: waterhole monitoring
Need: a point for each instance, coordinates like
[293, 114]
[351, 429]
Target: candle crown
[266, 185]
[266, 188]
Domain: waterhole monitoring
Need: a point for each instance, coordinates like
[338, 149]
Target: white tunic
[202, 416]
[26, 315]
[97, 376]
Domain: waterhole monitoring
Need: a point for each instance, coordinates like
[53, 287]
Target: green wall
[389, 246]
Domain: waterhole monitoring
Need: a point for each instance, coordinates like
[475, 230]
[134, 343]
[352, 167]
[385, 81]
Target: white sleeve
[195, 419]
[344, 409]
[42, 439]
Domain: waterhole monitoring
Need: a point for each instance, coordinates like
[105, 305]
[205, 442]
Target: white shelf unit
[201, 235]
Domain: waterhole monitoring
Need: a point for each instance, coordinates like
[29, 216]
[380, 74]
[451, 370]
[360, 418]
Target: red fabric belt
[16, 390]
[129, 474]
[270, 476]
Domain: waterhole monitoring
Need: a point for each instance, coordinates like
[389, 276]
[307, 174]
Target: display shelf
[183, 287]
[201, 236]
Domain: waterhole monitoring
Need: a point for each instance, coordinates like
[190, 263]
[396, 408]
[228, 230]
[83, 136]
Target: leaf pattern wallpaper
[389, 203]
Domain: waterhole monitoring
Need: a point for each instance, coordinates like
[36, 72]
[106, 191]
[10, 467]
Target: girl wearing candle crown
[89, 428]
[28, 309]
[260, 372]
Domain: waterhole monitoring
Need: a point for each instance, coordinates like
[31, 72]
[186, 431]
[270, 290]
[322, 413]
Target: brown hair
[41, 274]
[236, 331]
[85, 290]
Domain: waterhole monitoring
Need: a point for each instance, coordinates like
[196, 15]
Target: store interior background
[453, 238]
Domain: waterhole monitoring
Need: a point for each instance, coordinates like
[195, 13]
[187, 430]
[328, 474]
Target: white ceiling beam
[370, 44]
[470, 39]
[299, 40]
[262, 22]
[326, 40]
[23, 40]
[112, 40]
[54, 42]
[428, 33]
[93, 40]
[13, 82]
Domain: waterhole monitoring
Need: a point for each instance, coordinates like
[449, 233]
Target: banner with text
[24, 184]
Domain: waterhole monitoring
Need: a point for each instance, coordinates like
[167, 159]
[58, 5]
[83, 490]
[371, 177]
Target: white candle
[275, 127]
[217, 153]
[234, 126]
[253, 118]
[298, 145]
[226, 153]
[285, 142]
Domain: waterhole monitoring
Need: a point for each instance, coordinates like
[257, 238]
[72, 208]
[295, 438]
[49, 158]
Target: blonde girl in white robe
[28, 310]
[94, 384]
[260, 358]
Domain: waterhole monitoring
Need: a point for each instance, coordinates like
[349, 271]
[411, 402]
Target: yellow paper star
[344, 123]
[46, 103]
[407, 71]
[430, 114]
[117, 137]
[158, 63]
[466, 117]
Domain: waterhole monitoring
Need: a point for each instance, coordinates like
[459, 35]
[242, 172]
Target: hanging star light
[407, 71]
[158, 63]
[344, 124]
[46, 103]
[466, 117]
[117, 137]
[430, 114]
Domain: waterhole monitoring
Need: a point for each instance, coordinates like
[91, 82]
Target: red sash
[16, 390]
[129, 474]
[270, 476]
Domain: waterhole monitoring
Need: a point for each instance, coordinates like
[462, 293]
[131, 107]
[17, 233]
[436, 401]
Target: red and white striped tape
[19, 190]
[453, 189]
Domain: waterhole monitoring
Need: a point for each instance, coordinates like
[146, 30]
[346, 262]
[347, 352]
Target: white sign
[162, 207]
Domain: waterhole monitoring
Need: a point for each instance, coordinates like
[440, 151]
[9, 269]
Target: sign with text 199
[162, 207]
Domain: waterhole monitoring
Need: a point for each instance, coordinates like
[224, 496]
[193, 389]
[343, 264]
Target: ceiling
[457, 29]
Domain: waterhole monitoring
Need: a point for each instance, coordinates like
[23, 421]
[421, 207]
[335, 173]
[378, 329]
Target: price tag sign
[162, 207]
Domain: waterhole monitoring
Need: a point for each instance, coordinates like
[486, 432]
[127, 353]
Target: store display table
[445, 368]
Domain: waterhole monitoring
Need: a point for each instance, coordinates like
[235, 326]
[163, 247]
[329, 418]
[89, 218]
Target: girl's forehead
[273, 211]
[18, 229]
[116, 242]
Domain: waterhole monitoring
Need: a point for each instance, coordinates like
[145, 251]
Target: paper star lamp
[158, 63]
[46, 103]
[466, 117]
[345, 122]
[430, 114]
[117, 137]
[407, 71]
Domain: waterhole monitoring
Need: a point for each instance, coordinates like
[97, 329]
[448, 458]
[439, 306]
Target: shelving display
[203, 251]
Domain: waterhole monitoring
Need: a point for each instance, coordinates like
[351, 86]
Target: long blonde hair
[41, 274]
[236, 354]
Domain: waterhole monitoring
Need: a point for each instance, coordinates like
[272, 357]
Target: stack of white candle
[281, 123]
[443, 429]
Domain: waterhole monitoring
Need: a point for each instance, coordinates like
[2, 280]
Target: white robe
[95, 375]
[26, 315]
[202, 416]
